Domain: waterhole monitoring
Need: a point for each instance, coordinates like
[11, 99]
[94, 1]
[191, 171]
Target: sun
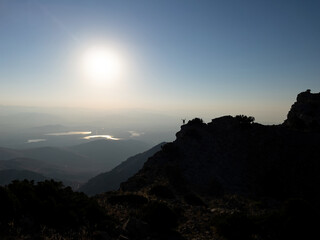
[102, 64]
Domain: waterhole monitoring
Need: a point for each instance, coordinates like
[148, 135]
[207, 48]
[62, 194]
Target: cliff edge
[234, 155]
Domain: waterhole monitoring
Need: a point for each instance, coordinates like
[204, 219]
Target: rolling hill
[107, 154]
[111, 180]
[71, 164]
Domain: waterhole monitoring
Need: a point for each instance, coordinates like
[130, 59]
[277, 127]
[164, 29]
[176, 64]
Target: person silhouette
[183, 121]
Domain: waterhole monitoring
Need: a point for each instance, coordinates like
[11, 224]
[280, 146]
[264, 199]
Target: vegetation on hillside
[48, 208]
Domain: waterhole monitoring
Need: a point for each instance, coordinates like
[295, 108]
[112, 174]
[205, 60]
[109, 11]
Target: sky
[191, 58]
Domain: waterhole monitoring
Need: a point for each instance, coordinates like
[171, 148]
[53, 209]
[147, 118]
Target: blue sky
[183, 57]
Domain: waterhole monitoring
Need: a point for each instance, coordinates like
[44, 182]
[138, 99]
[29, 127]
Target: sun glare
[101, 64]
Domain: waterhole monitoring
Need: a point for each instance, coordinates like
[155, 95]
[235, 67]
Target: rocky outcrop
[305, 112]
[230, 178]
[235, 155]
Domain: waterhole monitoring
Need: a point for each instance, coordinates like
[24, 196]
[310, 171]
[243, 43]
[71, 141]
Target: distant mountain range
[111, 180]
[71, 164]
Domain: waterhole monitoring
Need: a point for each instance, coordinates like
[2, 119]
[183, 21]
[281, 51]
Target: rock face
[241, 179]
[233, 156]
[305, 112]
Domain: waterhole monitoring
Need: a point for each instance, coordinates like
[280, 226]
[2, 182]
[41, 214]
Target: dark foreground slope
[111, 180]
[236, 157]
[228, 179]
[48, 210]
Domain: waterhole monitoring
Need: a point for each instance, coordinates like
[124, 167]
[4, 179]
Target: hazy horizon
[152, 60]
[113, 99]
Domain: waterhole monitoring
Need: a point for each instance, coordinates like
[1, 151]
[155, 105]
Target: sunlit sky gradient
[201, 58]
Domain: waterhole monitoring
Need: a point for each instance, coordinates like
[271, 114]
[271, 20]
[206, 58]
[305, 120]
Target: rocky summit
[305, 112]
[233, 178]
[234, 155]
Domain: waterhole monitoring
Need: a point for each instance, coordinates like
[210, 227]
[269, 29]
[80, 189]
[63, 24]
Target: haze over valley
[153, 120]
[23, 127]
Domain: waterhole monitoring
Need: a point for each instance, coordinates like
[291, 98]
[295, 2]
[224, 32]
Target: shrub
[48, 204]
[195, 121]
[9, 205]
[245, 119]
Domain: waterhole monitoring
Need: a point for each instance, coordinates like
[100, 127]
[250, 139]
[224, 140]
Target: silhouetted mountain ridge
[234, 155]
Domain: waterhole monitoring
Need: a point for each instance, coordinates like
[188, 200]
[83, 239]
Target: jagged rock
[227, 156]
[305, 112]
[244, 172]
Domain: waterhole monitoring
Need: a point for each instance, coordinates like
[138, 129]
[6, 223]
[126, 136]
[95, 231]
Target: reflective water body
[109, 137]
[36, 140]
